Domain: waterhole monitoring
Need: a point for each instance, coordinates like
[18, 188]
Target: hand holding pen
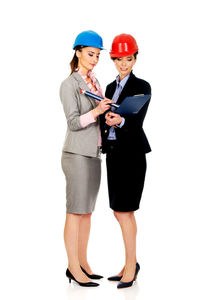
[102, 107]
[104, 103]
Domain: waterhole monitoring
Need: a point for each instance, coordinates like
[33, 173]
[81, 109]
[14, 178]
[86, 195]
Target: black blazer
[131, 137]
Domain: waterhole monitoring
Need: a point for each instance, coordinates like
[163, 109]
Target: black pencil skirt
[125, 175]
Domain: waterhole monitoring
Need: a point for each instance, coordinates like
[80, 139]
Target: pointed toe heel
[91, 276]
[115, 278]
[122, 284]
[86, 284]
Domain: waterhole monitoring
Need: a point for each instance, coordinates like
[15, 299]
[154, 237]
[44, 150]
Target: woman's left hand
[113, 119]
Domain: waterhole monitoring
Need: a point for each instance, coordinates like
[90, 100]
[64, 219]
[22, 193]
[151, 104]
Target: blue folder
[132, 105]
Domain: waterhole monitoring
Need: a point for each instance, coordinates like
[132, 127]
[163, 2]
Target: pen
[98, 98]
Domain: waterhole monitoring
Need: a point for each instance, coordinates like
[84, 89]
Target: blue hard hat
[89, 38]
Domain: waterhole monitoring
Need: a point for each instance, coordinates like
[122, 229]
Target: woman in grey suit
[81, 162]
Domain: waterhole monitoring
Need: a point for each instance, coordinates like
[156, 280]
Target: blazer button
[106, 131]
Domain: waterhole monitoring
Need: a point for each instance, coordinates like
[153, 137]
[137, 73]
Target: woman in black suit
[125, 145]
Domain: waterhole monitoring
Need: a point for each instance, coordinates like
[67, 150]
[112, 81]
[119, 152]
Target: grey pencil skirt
[83, 174]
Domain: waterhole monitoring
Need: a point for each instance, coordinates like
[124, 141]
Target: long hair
[74, 61]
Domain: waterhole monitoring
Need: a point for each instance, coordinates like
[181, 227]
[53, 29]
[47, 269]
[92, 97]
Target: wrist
[121, 124]
[95, 112]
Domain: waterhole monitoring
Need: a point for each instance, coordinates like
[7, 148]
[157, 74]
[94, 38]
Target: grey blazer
[79, 140]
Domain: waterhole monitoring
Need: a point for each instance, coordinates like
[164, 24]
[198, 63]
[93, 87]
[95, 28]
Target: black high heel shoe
[115, 278]
[130, 283]
[92, 276]
[87, 284]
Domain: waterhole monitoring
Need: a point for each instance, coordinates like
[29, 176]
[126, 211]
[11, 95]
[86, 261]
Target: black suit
[126, 160]
[131, 136]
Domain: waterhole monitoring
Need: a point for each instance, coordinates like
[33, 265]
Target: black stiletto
[87, 284]
[115, 278]
[130, 283]
[92, 276]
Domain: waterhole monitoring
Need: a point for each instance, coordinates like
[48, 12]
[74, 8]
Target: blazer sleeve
[69, 100]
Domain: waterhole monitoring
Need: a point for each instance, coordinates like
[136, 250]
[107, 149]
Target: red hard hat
[123, 45]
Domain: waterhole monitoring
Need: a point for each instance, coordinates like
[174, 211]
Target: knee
[86, 216]
[122, 216]
[117, 215]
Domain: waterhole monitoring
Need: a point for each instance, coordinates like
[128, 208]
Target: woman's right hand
[102, 107]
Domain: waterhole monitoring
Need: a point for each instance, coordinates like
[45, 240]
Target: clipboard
[132, 105]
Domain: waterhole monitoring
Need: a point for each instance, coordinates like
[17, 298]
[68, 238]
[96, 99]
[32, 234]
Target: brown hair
[74, 61]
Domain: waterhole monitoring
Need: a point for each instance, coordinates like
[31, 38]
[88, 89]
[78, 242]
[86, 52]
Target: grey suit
[80, 158]
[83, 141]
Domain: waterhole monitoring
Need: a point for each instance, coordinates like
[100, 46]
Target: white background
[36, 48]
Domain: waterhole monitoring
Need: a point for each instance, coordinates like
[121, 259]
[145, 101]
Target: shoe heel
[135, 278]
[88, 284]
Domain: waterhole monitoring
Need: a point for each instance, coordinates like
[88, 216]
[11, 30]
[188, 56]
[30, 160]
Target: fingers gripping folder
[130, 105]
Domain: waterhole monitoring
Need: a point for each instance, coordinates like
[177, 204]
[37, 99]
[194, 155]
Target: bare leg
[84, 232]
[129, 230]
[71, 237]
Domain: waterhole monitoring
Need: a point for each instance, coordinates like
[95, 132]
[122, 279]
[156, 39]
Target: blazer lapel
[82, 85]
[129, 86]
[110, 90]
